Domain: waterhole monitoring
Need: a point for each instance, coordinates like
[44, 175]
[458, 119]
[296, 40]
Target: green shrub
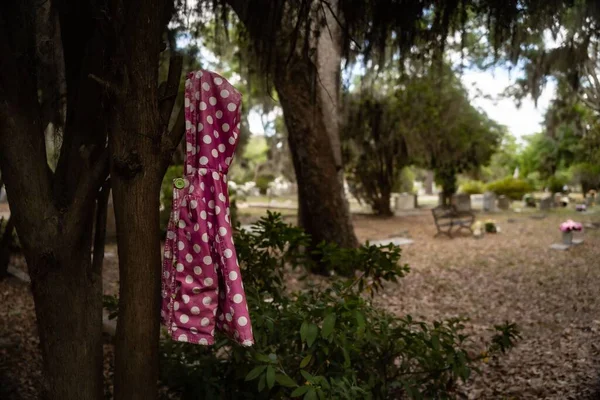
[405, 182]
[166, 195]
[534, 180]
[587, 175]
[472, 187]
[510, 187]
[263, 181]
[325, 342]
[556, 183]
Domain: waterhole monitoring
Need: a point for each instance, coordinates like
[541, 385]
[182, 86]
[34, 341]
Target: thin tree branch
[167, 102]
[108, 86]
[172, 139]
[87, 189]
[100, 229]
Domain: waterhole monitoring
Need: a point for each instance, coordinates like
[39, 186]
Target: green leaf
[255, 372]
[261, 383]
[270, 377]
[435, 342]
[311, 334]
[321, 394]
[346, 357]
[360, 320]
[304, 331]
[324, 382]
[310, 395]
[285, 380]
[305, 361]
[263, 358]
[300, 391]
[328, 325]
[307, 376]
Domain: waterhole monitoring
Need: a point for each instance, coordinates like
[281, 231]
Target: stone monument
[503, 203]
[489, 201]
[462, 202]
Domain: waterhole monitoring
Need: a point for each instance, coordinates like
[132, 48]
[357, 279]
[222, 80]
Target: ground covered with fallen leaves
[510, 276]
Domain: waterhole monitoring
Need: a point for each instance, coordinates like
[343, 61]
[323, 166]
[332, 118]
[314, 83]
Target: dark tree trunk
[382, 205]
[68, 304]
[324, 213]
[6, 244]
[53, 213]
[56, 243]
[139, 153]
[136, 202]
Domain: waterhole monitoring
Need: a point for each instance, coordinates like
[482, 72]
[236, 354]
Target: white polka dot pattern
[199, 253]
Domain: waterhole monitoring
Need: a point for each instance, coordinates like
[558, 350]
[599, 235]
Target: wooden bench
[447, 218]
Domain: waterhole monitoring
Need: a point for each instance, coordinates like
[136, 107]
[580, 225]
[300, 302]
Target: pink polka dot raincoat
[201, 283]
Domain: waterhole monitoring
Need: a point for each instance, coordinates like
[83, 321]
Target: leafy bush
[166, 195]
[328, 341]
[535, 181]
[405, 182]
[510, 187]
[556, 183]
[263, 181]
[472, 187]
[587, 175]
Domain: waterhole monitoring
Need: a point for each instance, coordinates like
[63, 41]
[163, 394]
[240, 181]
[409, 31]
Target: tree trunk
[68, 305]
[382, 206]
[138, 163]
[328, 62]
[56, 243]
[5, 246]
[323, 211]
[136, 202]
[429, 183]
[322, 205]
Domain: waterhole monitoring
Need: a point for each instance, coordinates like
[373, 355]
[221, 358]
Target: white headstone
[462, 202]
[489, 201]
[404, 202]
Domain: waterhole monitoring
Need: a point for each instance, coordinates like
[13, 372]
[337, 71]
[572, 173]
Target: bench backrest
[441, 212]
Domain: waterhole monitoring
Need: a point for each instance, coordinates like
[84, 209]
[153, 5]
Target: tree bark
[68, 304]
[329, 61]
[323, 211]
[53, 213]
[382, 205]
[5, 246]
[139, 155]
[67, 293]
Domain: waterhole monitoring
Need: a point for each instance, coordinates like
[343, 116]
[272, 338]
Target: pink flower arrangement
[570, 226]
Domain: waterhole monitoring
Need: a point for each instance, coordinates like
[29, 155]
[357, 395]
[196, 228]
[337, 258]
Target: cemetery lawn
[513, 275]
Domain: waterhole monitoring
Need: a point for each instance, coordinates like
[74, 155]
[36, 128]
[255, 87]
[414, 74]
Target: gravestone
[589, 201]
[503, 203]
[546, 203]
[489, 201]
[404, 201]
[560, 200]
[462, 202]
[396, 241]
